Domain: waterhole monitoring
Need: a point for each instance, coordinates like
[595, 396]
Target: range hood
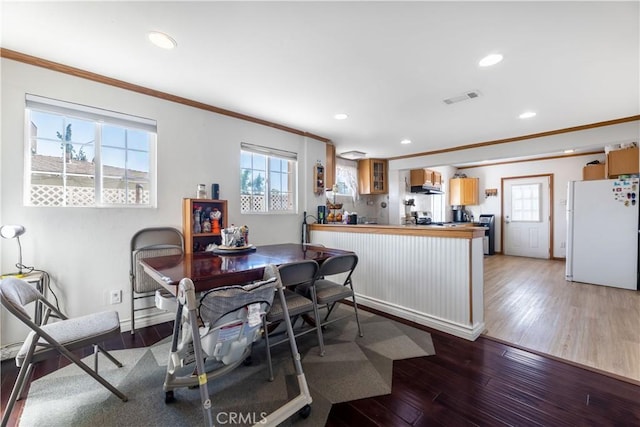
[425, 189]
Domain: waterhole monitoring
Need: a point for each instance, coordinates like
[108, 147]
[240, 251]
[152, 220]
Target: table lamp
[9, 232]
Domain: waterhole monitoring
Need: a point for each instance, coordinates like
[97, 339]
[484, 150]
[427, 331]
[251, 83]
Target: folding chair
[62, 336]
[327, 292]
[147, 243]
[292, 275]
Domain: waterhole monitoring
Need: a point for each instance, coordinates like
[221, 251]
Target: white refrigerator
[602, 232]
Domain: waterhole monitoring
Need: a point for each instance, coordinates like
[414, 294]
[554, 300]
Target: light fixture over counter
[352, 155]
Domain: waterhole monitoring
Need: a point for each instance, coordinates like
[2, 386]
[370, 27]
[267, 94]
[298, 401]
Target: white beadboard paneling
[425, 279]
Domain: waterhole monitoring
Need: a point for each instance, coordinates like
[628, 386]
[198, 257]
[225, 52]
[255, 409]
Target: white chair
[62, 336]
[147, 243]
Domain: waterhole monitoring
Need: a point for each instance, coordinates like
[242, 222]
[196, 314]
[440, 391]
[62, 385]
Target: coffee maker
[459, 214]
[322, 214]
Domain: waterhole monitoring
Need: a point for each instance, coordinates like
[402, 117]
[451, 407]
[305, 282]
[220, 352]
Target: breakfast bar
[431, 275]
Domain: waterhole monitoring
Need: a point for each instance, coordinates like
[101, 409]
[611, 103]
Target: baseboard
[456, 329]
[148, 320]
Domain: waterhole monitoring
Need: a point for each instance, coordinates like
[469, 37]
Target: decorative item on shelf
[490, 192]
[215, 191]
[201, 192]
[216, 220]
[197, 214]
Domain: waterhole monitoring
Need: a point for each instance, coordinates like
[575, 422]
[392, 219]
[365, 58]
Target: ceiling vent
[467, 95]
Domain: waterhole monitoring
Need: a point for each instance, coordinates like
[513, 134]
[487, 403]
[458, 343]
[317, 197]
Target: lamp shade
[11, 231]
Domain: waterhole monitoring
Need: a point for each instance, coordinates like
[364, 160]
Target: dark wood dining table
[208, 270]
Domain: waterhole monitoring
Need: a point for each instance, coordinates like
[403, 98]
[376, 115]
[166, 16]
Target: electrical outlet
[115, 297]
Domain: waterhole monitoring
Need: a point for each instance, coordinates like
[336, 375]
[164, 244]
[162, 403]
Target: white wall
[86, 250]
[563, 171]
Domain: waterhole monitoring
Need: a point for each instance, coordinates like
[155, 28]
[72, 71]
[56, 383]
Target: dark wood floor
[466, 383]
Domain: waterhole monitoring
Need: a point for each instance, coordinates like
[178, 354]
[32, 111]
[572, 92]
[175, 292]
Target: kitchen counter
[429, 274]
[455, 230]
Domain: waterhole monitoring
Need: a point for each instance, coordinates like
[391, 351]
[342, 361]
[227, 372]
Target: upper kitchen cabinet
[419, 177]
[330, 170]
[372, 176]
[463, 191]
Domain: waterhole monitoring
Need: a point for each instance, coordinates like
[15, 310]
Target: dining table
[208, 270]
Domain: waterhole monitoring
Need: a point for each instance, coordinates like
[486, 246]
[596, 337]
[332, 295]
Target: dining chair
[329, 292]
[147, 243]
[63, 336]
[290, 276]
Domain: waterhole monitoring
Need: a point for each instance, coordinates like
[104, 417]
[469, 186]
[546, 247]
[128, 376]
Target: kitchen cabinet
[419, 177]
[372, 176]
[202, 222]
[330, 169]
[463, 191]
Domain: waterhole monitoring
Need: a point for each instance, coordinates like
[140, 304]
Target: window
[525, 202]
[346, 178]
[267, 180]
[83, 156]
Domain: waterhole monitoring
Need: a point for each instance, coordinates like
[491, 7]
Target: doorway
[526, 226]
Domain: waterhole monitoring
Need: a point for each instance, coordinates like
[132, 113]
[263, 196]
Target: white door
[527, 216]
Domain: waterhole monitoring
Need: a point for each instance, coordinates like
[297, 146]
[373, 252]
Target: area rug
[352, 368]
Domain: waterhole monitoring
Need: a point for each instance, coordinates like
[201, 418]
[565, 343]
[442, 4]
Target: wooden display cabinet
[318, 178]
[463, 191]
[372, 176]
[195, 214]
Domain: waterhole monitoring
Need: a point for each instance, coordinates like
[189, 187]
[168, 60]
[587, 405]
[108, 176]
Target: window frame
[270, 154]
[99, 118]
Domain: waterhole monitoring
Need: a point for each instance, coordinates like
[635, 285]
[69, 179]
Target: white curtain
[347, 178]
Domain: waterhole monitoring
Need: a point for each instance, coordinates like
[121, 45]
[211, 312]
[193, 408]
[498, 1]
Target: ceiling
[388, 65]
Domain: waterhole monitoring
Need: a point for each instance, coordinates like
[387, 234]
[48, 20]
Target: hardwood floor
[487, 382]
[529, 303]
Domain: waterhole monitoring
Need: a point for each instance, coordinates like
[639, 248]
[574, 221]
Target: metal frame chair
[147, 243]
[292, 275]
[62, 336]
[327, 293]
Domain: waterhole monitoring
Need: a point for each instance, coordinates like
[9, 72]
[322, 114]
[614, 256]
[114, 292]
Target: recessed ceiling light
[568, 151]
[527, 115]
[340, 116]
[405, 141]
[162, 40]
[490, 60]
